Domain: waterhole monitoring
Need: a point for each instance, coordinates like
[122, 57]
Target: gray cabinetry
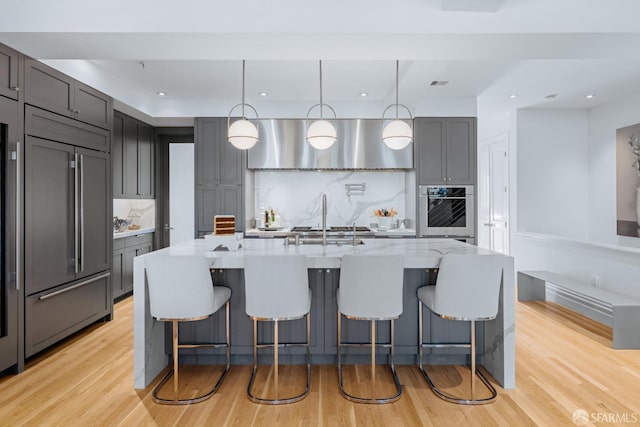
[9, 293]
[50, 212]
[133, 158]
[445, 150]
[67, 215]
[124, 251]
[67, 234]
[54, 91]
[58, 312]
[9, 72]
[117, 272]
[117, 157]
[219, 175]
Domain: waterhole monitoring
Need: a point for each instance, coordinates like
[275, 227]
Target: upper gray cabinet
[9, 72]
[445, 150]
[219, 175]
[54, 91]
[132, 158]
[217, 161]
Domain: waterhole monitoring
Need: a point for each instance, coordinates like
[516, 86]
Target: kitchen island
[496, 338]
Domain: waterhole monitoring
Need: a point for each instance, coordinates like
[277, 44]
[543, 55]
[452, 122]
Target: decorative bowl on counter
[120, 225]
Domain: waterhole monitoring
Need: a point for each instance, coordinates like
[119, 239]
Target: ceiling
[192, 50]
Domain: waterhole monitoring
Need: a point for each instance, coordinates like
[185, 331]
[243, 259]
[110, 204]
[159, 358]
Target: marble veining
[144, 209]
[297, 195]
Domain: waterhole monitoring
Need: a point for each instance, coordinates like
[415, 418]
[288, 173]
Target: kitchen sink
[330, 241]
[338, 241]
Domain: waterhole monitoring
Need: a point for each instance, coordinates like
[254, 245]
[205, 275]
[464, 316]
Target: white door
[484, 198]
[181, 193]
[493, 196]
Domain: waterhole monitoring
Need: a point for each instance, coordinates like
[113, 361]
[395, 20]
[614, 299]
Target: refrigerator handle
[17, 201]
[81, 212]
[76, 211]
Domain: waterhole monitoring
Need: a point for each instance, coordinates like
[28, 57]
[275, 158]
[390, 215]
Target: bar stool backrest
[180, 287]
[276, 286]
[371, 286]
[468, 286]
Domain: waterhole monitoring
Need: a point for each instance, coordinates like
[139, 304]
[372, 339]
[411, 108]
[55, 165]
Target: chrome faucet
[324, 219]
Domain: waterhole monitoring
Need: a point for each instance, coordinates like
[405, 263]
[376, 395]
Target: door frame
[164, 137]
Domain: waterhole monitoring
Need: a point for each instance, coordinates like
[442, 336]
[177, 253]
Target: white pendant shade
[397, 134]
[242, 134]
[321, 134]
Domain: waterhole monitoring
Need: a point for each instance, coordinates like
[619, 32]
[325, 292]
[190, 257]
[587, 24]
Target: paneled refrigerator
[10, 158]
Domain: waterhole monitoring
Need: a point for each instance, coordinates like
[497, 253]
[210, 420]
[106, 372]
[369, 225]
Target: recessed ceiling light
[590, 96]
[161, 93]
[552, 96]
[364, 94]
[263, 93]
[513, 96]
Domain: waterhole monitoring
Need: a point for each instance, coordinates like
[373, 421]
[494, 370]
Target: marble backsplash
[144, 209]
[297, 196]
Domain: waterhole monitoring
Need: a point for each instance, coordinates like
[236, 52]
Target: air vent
[552, 96]
[439, 83]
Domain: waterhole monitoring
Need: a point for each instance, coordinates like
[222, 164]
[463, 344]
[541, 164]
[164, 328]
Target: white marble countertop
[417, 253]
[130, 233]
[149, 335]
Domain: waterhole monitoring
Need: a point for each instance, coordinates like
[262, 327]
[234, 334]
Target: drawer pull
[77, 285]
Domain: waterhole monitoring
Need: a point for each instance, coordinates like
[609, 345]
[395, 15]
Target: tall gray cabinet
[67, 226]
[219, 175]
[445, 150]
[11, 156]
[67, 232]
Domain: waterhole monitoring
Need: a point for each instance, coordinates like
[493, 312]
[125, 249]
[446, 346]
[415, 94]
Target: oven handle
[447, 198]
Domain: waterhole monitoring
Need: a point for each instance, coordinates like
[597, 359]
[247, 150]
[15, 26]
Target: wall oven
[446, 211]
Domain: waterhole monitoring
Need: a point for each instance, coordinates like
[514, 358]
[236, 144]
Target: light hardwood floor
[564, 363]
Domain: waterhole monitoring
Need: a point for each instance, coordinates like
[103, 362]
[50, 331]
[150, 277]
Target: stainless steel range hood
[283, 145]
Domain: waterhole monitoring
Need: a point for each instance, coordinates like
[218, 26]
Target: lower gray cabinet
[124, 251]
[49, 319]
[117, 271]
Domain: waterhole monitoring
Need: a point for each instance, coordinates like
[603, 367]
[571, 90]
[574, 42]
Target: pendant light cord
[321, 116]
[243, 117]
[397, 72]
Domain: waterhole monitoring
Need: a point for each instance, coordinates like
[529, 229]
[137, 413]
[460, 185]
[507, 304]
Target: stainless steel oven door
[447, 210]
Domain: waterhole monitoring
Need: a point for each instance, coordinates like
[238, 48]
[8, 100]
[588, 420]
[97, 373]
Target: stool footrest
[363, 344]
[460, 400]
[444, 345]
[196, 399]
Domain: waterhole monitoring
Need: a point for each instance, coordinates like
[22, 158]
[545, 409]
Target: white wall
[553, 172]
[603, 122]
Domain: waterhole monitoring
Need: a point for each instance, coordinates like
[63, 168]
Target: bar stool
[370, 289]
[467, 289]
[277, 289]
[181, 290]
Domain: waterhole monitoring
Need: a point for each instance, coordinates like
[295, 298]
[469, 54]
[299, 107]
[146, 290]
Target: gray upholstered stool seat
[277, 289]
[467, 289]
[370, 289]
[181, 290]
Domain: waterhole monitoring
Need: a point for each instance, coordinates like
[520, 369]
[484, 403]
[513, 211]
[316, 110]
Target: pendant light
[321, 134]
[398, 133]
[242, 133]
